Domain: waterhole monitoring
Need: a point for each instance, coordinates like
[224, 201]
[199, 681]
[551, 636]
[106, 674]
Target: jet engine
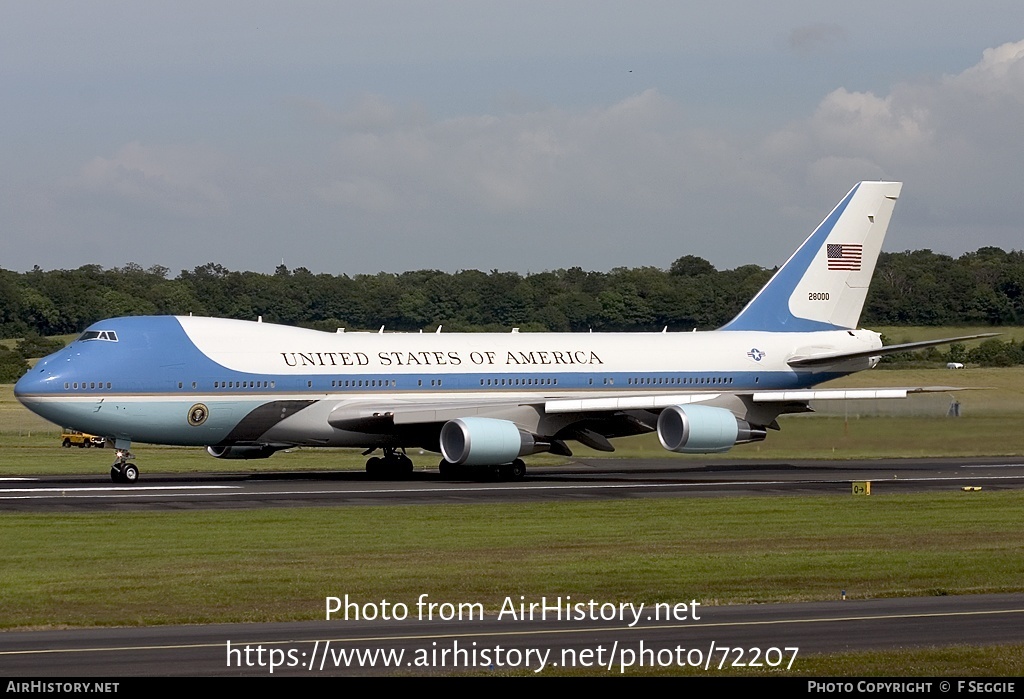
[260, 451]
[702, 429]
[484, 441]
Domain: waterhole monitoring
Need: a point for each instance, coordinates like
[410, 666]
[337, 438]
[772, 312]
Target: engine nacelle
[484, 441]
[703, 429]
[261, 451]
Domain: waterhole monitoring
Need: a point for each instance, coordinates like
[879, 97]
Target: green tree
[12, 365]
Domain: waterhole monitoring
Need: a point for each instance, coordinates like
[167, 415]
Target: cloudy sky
[355, 137]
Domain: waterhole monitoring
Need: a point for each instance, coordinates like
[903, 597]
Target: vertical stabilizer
[824, 284]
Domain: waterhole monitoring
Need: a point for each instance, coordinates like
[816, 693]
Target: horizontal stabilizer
[836, 357]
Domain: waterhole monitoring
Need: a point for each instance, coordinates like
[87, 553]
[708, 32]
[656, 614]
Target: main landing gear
[514, 471]
[122, 471]
[392, 465]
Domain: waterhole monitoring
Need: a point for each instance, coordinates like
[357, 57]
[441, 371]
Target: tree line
[919, 287]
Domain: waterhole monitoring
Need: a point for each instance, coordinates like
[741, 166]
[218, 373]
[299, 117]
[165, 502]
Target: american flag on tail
[845, 257]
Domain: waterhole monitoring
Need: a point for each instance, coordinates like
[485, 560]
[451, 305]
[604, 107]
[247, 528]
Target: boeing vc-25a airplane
[247, 389]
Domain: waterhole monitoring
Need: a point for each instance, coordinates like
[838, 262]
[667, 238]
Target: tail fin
[824, 284]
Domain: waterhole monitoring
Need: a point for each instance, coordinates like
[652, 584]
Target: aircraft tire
[374, 466]
[129, 473]
[517, 471]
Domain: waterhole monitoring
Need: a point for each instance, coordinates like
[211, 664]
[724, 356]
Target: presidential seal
[197, 414]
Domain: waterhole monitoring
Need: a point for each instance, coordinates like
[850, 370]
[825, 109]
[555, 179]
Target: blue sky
[359, 137]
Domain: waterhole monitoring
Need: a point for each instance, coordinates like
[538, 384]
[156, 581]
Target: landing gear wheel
[374, 466]
[514, 471]
[449, 470]
[391, 465]
[518, 470]
[122, 471]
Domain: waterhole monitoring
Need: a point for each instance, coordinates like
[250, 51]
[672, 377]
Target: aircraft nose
[39, 379]
[27, 384]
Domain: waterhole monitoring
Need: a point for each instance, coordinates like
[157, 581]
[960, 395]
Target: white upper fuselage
[744, 356]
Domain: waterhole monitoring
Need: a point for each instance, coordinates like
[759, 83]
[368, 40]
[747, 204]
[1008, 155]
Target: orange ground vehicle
[69, 438]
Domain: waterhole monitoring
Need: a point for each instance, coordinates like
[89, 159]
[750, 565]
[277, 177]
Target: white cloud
[1000, 73]
[515, 162]
[955, 141]
[176, 180]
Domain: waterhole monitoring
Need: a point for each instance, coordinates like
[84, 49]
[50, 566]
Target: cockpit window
[108, 335]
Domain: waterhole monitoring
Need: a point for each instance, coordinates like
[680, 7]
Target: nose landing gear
[122, 471]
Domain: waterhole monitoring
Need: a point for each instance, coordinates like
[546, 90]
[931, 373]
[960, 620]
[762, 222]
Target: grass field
[132, 568]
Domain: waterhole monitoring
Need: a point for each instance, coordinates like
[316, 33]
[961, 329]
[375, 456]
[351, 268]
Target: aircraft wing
[372, 416]
[362, 415]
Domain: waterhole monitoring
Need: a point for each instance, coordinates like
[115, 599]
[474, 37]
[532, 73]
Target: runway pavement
[599, 479]
[706, 638]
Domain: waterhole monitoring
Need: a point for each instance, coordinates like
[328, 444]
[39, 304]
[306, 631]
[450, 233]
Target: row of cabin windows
[238, 384]
[86, 385]
[518, 382]
[385, 383]
[360, 383]
[662, 381]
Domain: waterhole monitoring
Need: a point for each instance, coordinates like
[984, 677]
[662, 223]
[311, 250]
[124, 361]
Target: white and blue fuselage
[137, 378]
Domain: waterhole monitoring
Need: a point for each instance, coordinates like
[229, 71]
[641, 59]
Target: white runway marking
[198, 491]
[996, 466]
[102, 491]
